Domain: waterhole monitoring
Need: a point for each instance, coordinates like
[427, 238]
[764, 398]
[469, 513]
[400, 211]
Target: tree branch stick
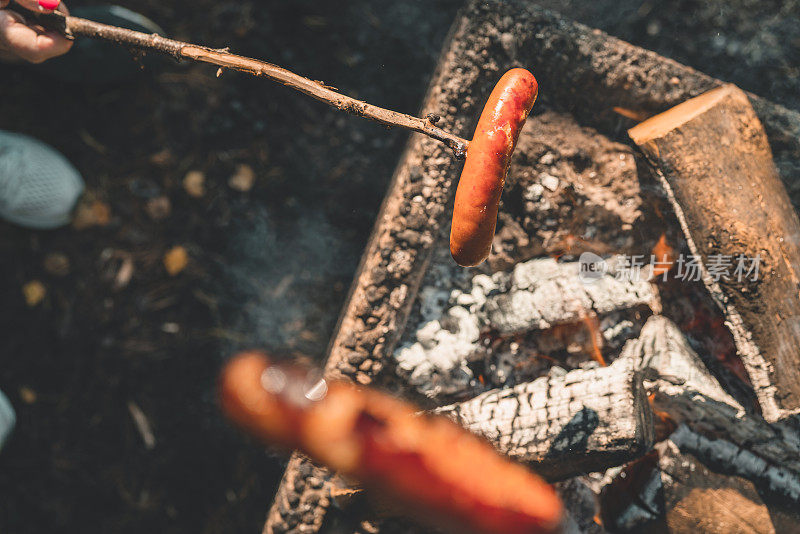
[73, 26]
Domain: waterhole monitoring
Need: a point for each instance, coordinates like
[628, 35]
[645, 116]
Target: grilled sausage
[429, 465]
[488, 158]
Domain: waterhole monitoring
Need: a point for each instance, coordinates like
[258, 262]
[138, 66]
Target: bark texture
[716, 429]
[696, 499]
[714, 159]
[563, 426]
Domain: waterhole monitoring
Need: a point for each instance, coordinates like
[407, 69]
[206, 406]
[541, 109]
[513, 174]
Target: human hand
[21, 41]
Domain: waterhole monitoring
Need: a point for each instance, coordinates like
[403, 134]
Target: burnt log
[561, 426]
[580, 503]
[699, 500]
[713, 158]
[715, 428]
[540, 294]
[675, 492]
[696, 499]
[544, 293]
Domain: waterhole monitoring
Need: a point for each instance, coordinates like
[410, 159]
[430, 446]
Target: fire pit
[517, 349]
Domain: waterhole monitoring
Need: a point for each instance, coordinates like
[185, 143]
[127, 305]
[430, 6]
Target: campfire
[632, 336]
[577, 311]
[629, 327]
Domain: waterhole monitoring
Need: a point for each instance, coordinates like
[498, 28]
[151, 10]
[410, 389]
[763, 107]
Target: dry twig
[74, 26]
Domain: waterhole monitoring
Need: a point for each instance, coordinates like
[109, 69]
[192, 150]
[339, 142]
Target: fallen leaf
[162, 158]
[170, 328]
[125, 272]
[243, 179]
[308, 335]
[194, 184]
[142, 425]
[27, 395]
[92, 143]
[158, 208]
[176, 260]
[91, 213]
[56, 264]
[34, 292]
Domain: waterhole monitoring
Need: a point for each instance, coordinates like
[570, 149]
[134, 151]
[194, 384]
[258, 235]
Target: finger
[34, 5]
[43, 6]
[52, 44]
[7, 20]
[25, 42]
[31, 5]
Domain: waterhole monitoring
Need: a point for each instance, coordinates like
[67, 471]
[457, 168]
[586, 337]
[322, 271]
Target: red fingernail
[49, 4]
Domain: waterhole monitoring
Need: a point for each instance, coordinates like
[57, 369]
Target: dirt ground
[116, 335]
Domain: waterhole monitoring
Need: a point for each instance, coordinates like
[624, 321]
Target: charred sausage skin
[488, 157]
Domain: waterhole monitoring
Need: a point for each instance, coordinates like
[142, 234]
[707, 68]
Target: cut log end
[673, 118]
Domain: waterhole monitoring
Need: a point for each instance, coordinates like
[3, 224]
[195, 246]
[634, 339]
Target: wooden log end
[659, 125]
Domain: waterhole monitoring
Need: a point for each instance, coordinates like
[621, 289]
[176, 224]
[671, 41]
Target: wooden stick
[713, 158]
[563, 426]
[73, 26]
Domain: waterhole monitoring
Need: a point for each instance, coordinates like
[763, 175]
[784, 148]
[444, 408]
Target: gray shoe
[38, 186]
[7, 419]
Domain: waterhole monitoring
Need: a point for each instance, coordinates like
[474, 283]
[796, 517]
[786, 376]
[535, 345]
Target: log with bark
[717, 429]
[681, 495]
[583, 421]
[713, 158]
[697, 499]
[722, 470]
